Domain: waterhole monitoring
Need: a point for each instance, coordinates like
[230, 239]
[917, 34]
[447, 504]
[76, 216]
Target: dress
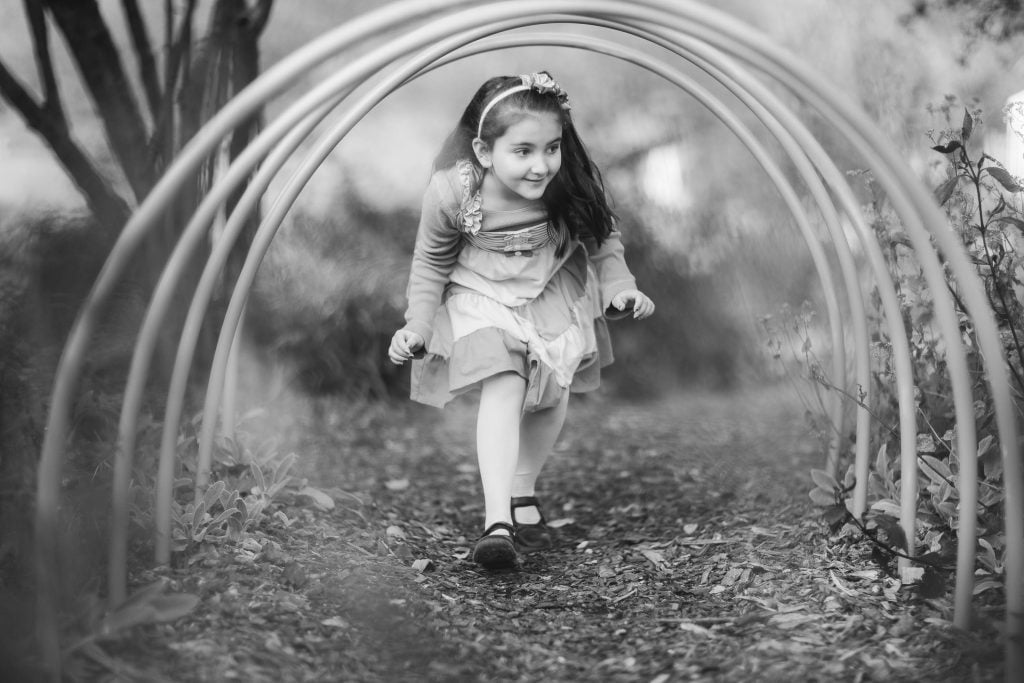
[489, 294]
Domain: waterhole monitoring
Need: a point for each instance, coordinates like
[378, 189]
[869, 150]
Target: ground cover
[688, 550]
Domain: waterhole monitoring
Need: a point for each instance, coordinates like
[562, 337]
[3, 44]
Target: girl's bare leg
[497, 439]
[537, 435]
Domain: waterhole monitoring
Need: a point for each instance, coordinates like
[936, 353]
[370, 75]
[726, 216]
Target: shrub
[983, 204]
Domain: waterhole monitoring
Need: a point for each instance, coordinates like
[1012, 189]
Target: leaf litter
[688, 549]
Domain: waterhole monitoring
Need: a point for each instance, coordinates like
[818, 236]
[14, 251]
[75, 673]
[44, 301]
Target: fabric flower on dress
[543, 83]
[470, 216]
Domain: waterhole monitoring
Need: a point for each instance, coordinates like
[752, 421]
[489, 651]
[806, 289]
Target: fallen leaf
[838, 583]
[273, 642]
[869, 574]
[319, 498]
[203, 647]
[732, 576]
[690, 627]
[792, 620]
[655, 558]
[909, 575]
[295, 575]
[904, 626]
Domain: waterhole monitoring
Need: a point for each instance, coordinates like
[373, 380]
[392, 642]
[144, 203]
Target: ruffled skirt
[557, 342]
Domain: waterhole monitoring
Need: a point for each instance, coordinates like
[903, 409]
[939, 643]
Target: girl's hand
[404, 346]
[642, 305]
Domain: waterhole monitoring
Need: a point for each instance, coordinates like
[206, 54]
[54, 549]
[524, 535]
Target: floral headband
[541, 81]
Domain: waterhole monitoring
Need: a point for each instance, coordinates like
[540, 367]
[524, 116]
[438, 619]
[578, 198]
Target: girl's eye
[554, 149]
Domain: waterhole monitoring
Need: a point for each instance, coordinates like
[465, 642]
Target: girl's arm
[437, 249]
[609, 259]
[619, 295]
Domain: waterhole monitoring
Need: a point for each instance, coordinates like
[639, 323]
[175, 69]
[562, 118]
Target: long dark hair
[575, 198]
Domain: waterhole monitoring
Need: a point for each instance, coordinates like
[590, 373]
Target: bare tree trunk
[227, 62]
[245, 69]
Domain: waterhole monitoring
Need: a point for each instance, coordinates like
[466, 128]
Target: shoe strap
[499, 525]
[525, 502]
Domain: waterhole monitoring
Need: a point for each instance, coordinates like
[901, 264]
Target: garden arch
[720, 46]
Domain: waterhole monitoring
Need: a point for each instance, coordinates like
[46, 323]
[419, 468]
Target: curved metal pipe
[898, 180]
[919, 212]
[798, 141]
[959, 377]
[905, 402]
[143, 350]
[908, 418]
[190, 333]
[893, 177]
[804, 170]
[323, 149]
[902, 373]
[69, 367]
[806, 163]
[201, 297]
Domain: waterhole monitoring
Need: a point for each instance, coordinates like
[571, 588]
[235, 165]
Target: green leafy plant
[96, 626]
[984, 206]
[226, 515]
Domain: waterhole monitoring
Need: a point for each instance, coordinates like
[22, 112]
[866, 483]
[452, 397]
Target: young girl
[517, 263]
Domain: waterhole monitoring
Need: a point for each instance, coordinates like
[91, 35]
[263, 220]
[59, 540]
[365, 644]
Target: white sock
[537, 436]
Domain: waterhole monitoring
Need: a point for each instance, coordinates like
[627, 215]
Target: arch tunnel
[434, 33]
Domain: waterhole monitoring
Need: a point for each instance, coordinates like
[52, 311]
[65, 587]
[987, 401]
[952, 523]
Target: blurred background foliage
[706, 235]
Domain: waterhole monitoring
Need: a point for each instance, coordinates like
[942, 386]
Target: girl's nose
[539, 166]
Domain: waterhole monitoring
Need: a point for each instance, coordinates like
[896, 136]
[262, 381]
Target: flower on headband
[543, 83]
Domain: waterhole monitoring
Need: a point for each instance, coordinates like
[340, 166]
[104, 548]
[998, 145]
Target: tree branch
[255, 19]
[18, 95]
[41, 45]
[107, 206]
[163, 143]
[99, 63]
[144, 53]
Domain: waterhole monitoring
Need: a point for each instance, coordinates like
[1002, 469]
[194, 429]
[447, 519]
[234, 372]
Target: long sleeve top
[442, 255]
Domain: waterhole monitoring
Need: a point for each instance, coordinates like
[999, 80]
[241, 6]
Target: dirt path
[688, 550]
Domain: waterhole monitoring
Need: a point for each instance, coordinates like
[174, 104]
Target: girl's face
[524, 159]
